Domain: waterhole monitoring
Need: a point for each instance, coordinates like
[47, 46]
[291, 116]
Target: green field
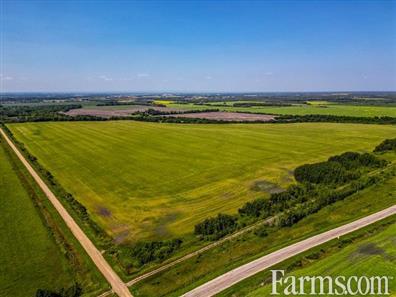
[150, 180]
[375, 256]
[29, 259]
[304, 109]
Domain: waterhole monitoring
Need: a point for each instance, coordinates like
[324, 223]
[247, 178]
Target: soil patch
[108, 113]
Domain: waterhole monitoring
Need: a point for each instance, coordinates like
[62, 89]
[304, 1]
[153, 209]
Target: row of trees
[35, 113]
[57, 113]
[386, 145]
[217, 227]
[149, 251]
[318, 186]
[337, 169]
[326, 197]
[73, 291]
[254, 104]
[335, 119]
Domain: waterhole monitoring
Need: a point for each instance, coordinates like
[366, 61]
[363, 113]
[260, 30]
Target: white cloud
[140, 75]
[5, 77]
[269, 73]
[208, 77]
[104, 77]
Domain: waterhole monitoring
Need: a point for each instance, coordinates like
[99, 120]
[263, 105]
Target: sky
[197, 46]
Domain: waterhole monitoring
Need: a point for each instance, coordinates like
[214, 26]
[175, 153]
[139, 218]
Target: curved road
[116, 283]
[238, 274]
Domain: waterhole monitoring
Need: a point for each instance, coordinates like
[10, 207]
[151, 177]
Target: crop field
[376, 256]
[112, 111]
[29, 259]
[303, 109]
[226, 116]
[151, 180]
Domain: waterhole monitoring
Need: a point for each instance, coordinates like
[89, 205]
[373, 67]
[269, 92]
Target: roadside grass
[151, 181]
[37, 249]
[304, 109]
[200, 269]
[30, 259]
[370, 251]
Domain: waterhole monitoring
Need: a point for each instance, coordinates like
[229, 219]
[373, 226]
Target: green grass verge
[37, 250]
[200, 269]
[30, 259]
[369, 252]
[150, 180]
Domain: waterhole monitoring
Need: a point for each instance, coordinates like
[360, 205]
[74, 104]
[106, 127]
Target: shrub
[149, 251]
[217, 227]
[73, 291]
[329, 172]
[386, 145]
[261, 231]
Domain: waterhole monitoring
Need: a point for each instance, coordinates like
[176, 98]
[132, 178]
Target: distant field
[112, 111]
[375, 256]
[149, 180]
[226, 116]
[29, 259]
[304, 109]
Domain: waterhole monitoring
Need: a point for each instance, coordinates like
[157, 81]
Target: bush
[338, 169]
[386, 145]
[278, 201]
[217, 227]
[255, 208]
[351, 160]
[149, 251]
[329, 172]
[73, 291]
[261, 231]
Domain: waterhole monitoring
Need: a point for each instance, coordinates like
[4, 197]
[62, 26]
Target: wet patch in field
[266, 186]
[104, 212]
[161, 229]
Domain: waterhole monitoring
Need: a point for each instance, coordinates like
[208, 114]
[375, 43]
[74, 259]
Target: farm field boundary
[118, 286]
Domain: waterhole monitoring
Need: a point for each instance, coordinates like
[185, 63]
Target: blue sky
[198, 45]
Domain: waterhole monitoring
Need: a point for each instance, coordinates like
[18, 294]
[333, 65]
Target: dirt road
[116, 283]
[234, 276]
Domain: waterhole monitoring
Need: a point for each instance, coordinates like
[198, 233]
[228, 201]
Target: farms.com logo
[329, 285]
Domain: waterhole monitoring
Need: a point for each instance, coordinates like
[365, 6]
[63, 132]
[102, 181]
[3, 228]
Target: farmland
[117, 110]
[26, 245]
[226, 116]
[300, 109]
[149, 180]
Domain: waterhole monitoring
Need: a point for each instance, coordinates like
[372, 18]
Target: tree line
[73, 291]
[26, 113]
[318, 185]
[316, 118]
[337, 169]
[386, 145]
[148, 251]
[44, 113]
